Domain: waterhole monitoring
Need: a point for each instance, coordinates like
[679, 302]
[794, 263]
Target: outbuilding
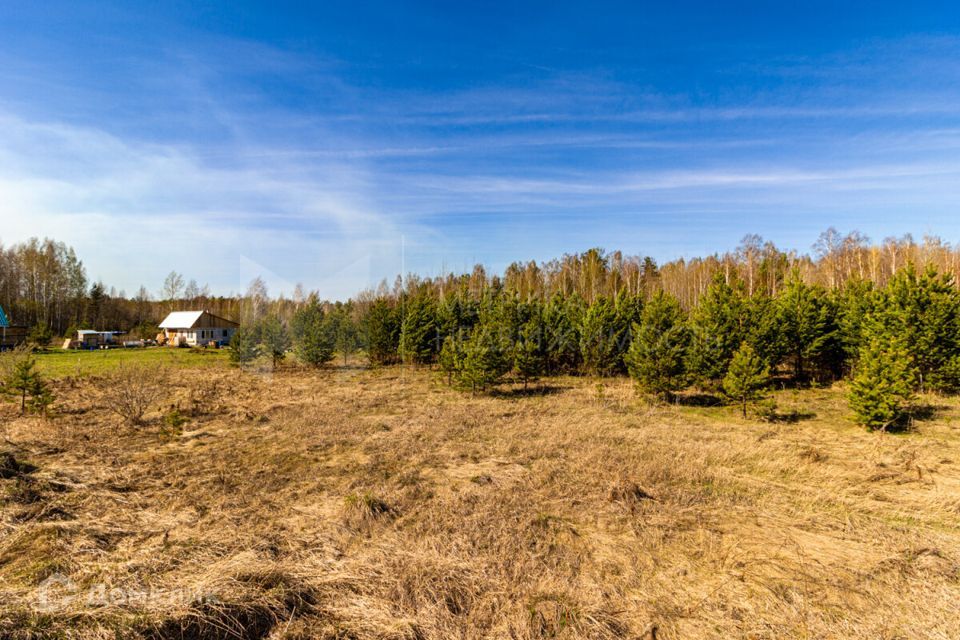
[90, 339]
[10, 335]
[193, 328]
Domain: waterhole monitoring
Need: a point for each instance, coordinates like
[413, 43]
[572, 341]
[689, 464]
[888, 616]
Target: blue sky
[336, 145]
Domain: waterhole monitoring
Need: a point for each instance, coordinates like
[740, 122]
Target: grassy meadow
[60, 363]
[357, 503]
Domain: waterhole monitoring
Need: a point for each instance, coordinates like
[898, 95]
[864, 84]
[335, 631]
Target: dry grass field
[379, 504]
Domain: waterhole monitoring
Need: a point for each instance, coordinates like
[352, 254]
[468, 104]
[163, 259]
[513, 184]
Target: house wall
[199, 336]
[12, 336]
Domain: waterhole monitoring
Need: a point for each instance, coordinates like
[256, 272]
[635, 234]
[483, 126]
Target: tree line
[43, 282]
[884, 316]
[890, 341]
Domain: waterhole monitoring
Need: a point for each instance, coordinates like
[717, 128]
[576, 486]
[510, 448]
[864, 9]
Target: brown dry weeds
[379, 504]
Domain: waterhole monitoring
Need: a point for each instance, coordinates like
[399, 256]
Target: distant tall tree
[257, 298]
[882, 384]
[172, 286]
[717, 329]
[192, 291]
[313, 336]
[658, 352]
[98, 299]
[381, 332]
[746, 377]
[418, 333]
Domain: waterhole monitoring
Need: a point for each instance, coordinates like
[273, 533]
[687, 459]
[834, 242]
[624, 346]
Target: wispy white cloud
[136, 211]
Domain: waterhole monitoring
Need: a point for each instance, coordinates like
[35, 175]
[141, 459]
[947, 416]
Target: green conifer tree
[485, 358]
[717, 329]
[275, 339]
[924, 312]
[341, 327]
[562, 318]
[418, 333]
[882, 384]
[599, 338]
[657, 355]
[762, 328]
[451, 356]
[529, 354]
[854, 303]
[244, 347]
[746, 377]
[381, 332]
[314, 334]
[26, 384]
[808, 325]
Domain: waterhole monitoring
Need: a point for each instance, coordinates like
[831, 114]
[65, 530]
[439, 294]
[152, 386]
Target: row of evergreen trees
[892, 340]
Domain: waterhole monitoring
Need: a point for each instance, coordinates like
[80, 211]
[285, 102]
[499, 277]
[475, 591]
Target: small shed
[90, 339]
[192, 328]
[10, 335]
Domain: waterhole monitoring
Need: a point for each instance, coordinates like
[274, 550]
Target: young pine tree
[808, 325]
[717, 329]
[418, 333]
[924, 311]
[562, 317]
[26, 384]
[529, 355]
[882, 384]
[659, 349]
[381, 332]
[244, 347]
[599, 334]
[313, 334]
[275, 339]
[451, 356]
[485, 359]
[345, 335]
[746, 377]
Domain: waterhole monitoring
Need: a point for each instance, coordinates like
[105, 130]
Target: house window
[224, 333]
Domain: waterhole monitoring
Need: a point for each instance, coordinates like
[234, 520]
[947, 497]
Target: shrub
[132, 389]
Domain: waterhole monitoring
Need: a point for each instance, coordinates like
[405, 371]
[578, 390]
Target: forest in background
[44, 282]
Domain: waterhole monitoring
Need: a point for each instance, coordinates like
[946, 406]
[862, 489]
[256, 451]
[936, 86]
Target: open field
[59, 363]
[379, 504]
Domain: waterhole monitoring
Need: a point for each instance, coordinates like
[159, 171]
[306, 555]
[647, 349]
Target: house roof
[181, 320]
[189, 319]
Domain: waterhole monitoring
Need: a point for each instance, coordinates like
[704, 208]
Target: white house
[190, 328]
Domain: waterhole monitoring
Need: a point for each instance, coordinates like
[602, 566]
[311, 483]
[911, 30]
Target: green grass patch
[59, 363]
